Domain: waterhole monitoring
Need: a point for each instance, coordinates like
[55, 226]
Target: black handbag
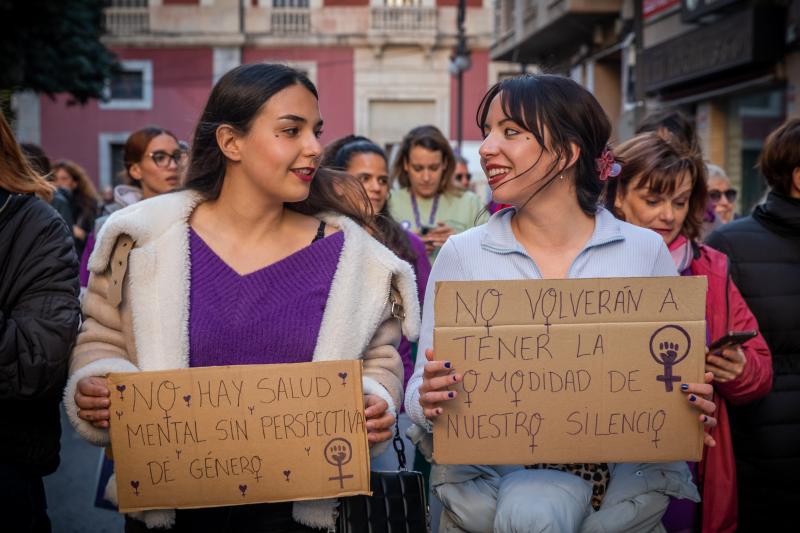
[398, 503]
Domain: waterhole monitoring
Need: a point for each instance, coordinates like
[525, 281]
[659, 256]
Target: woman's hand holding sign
[699, 396]
[379, 422]
[437, 377]
[92, 398]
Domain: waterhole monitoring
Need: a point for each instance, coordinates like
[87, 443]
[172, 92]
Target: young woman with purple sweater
[261, 259]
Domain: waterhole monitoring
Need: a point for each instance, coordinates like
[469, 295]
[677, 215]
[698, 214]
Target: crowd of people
[258, 216]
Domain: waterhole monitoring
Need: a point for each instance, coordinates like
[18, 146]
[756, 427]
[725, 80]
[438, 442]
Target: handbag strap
[399, 447]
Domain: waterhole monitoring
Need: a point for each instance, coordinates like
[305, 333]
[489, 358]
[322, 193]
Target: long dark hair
[656, 163]
[236, 101]
[569, 114]
[337, 156]
[85, 195]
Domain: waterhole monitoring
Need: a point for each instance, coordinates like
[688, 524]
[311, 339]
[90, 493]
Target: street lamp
[459, 63]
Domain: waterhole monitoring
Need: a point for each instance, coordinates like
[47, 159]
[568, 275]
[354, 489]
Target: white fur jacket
[138, 298]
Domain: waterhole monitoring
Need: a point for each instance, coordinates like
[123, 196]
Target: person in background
[461, 175]
[545, 152]
[84, 200]
[721, 194]
[662, 187]
[39, 319]
[764, 254]
[426, 202]
[672, 125]
[40, 164]
[107, 195]
[154, 161]
[362, 158]
[257, 232]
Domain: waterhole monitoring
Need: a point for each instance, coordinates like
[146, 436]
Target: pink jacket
[726, 311]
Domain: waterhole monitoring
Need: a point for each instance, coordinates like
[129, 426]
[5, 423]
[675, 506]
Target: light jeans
[515, 500]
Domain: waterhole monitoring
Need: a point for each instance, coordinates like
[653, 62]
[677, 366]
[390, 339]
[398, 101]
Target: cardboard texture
[570, 371]
[232, 435]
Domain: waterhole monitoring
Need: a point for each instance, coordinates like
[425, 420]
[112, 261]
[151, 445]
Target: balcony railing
[288, 20]
[403, 19]
[120, 21]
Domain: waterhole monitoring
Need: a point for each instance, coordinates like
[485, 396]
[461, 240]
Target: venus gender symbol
[339, 452]
[669, 345]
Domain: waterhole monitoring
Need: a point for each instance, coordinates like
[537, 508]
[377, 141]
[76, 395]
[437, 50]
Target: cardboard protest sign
[232, 435]
[570, 371]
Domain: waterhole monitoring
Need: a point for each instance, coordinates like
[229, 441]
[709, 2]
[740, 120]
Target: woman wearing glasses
[721, 194]
[153, 161]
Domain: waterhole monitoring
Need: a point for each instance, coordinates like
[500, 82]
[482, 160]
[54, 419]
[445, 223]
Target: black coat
[39, 320]
[764, 252]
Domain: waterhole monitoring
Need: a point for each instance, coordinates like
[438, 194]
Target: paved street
[70, 491]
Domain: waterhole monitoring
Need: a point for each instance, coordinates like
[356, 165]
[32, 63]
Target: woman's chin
[501, 197]
[425, 193]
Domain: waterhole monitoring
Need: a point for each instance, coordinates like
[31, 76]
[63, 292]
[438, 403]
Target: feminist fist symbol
[338, 452]
[669, 351]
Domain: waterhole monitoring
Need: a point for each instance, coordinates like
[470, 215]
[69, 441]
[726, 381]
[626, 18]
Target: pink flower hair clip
[607, 167]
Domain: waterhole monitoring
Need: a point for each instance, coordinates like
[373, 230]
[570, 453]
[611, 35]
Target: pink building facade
[381, 67]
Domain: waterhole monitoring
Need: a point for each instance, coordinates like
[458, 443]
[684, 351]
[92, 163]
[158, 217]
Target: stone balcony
[290, 20]
[219, 24]
[536, 29]
[124, 21]
[403, 20]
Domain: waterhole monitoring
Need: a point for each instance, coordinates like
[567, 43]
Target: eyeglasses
[161, 158]
[716, 195]
[463, 176]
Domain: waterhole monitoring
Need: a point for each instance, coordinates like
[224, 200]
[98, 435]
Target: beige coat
[137, 313]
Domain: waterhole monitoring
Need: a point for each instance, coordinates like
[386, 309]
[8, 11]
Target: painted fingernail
[450, 395]
[439, 411]
[705, 418]
[447, 364]
[454, 378]
[684, 387]
[692, 398]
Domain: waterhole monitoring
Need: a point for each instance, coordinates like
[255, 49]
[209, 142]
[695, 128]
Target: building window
[112, 159]
[289, 3]
[131, 87]
[402, 3]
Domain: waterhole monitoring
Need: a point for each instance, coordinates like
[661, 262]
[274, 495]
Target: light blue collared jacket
[638, 494]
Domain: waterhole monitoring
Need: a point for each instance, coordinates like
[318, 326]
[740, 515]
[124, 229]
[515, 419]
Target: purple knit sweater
[272, 315]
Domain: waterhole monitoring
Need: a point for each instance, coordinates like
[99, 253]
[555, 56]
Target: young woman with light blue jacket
[545, 153]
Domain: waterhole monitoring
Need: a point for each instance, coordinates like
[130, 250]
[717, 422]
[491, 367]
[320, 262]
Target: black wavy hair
[236, 100]
[569, 114]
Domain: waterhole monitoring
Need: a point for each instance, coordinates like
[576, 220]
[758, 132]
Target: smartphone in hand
[730, 339]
